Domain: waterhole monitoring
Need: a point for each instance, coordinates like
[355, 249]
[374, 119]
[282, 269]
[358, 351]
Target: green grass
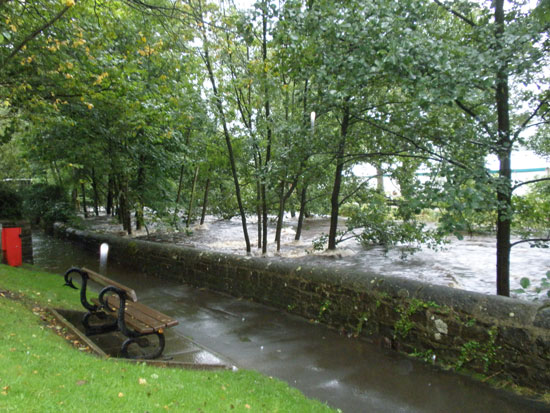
[41, 372]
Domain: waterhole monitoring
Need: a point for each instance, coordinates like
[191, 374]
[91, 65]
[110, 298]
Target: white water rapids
[468, 264]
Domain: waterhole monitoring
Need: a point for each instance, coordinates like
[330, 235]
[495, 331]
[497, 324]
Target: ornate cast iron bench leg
[142, 340]
[93, 310]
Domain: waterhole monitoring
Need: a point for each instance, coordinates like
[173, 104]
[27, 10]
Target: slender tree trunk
[379, 179]
[504, 189]
[140, 219]
[74, 197]
[84, 205]
[124, 205]
[268, 130]
[303, 202]
[57, 174]
[180, 185]
[205, 200]
[109, 209]
[192, 198]
[259, 211]
[227, 136]
[280, 216]
[96, 193]
[334, 200]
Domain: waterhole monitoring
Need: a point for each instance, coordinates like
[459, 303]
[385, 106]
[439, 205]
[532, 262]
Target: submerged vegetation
[172, 109]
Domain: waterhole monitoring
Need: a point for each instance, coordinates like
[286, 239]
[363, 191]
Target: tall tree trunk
[227, 136]
[334, 200]
[259, 211]
[124, 205]
[268, 128]
[140, 219]
[205, 200]
[504, 189]
[180, 184]
[192, 197]
[96, 193]
[84, 205]
[280, 216]
[74, 198]
[109, 208]
[303, 202]
[379, 179]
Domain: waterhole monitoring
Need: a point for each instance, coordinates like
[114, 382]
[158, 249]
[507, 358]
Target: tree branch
[455, 13]
[37, 32]
[414, 143]
[529, 182]
[524, 124]
[470, 112]
[529, 240]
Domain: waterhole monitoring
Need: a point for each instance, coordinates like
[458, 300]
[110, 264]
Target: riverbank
[41, 371]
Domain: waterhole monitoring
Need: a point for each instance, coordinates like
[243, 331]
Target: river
[468, 264]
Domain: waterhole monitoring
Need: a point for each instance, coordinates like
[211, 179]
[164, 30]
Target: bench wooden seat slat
[138, 320]
[137, 316]
[100, 279]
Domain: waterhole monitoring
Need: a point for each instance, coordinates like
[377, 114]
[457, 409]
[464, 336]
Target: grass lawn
[41, 371]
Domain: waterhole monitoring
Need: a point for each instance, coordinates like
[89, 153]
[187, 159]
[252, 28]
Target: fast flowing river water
[349, 374]
[468, 264]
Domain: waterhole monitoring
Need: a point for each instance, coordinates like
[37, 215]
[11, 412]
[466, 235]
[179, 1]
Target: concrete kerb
[428, 315]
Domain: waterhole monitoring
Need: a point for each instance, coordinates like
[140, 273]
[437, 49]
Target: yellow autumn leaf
[69, 3]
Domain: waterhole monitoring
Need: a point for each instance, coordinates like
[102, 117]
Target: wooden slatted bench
[117, 309]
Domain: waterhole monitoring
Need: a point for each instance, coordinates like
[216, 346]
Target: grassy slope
[41, 372]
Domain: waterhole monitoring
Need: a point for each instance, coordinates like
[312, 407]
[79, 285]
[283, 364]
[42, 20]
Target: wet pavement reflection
[349, 374]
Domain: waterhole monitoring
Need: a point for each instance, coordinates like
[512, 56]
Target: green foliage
[383, 225]
[543, 285]
[475, 352]
[427, 356]
[532, 212]
[325, 306]
[410, 307]
[47, 204]
[11, 203]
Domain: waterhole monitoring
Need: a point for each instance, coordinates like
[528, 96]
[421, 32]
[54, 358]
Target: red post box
[11, 246]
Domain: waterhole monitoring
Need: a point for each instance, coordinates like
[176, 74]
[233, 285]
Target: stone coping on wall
[463, 329]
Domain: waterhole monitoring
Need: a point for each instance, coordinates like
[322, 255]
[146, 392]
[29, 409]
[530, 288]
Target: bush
[46, 204]
[11, 203]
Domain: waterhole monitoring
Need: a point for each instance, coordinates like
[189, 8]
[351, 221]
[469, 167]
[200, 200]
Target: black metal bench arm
[84, 276]
[121, 309]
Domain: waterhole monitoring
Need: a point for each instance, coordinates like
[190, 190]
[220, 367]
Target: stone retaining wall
[496, 336]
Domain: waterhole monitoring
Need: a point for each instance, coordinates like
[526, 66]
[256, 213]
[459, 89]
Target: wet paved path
[349, 374]
[352, 375]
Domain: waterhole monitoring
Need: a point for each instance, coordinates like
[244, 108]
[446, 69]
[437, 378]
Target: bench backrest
[101, 279]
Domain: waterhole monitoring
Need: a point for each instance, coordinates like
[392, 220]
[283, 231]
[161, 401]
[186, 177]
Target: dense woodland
[166, 109]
